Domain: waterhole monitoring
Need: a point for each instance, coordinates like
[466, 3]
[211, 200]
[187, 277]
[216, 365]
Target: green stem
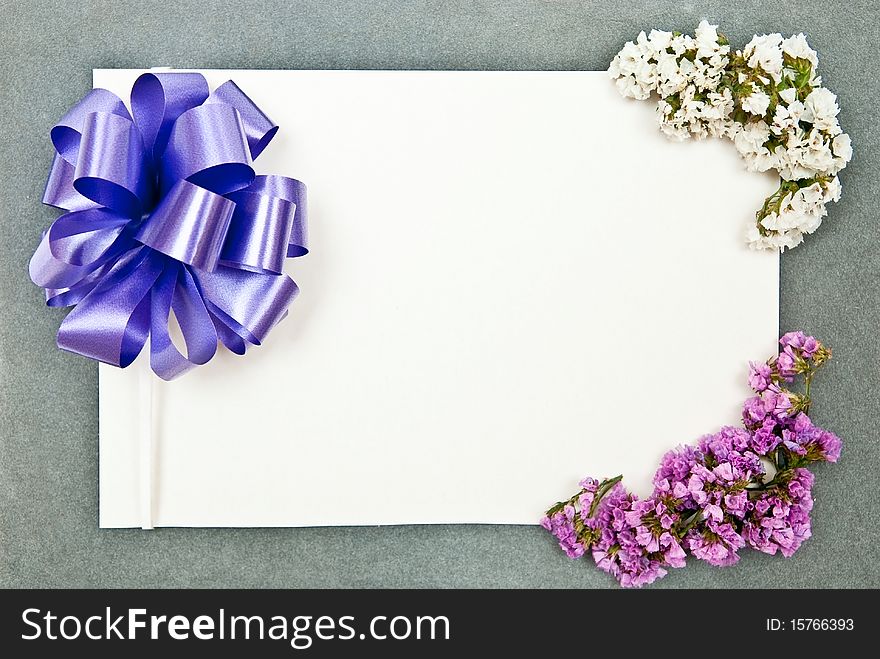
[604, 488]
[808, 380]
[687, 527]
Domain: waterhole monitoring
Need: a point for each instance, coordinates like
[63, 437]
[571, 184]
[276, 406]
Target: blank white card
[515, 281]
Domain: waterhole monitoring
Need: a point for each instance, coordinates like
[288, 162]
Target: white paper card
[515, 281]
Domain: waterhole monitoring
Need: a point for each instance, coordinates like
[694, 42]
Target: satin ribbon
[164, 213]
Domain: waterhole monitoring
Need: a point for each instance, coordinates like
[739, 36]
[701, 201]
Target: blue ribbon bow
[165, 212]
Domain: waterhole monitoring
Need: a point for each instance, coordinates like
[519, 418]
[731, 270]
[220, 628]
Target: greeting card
[512, 279]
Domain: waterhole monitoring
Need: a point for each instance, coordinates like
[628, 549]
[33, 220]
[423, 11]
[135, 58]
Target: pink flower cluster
[738, 488]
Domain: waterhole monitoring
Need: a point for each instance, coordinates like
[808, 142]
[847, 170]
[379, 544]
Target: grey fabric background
[48, 399]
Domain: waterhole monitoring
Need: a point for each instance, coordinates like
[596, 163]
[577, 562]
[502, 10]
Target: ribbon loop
[189, 225]
[112, 322]
[293, 191]
[258, 232]
[75, 245]
[253, 302]
[60, 192]
[83, 237]
[111, 169]
[176, 290]
[208, 147]
[72, 295]
[67, 132]
[258, 128]
[158, 99]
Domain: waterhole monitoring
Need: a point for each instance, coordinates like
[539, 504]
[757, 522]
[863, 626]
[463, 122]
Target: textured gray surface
[48, 399]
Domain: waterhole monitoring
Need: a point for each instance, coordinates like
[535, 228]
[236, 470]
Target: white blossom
[765, 51]
[842, 148]
[749, 140]
[659, 41]
[706, 39]
[681, 43]
[716, 113]
[671, 79]
[798, 47]
[820, 109]
[786, 119]
[788, 96]
[833, 189]
[774, 240]
[756, 103]
[633, 70]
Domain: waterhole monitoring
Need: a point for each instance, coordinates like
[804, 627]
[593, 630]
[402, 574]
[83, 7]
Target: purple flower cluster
[739, 487]
[561, 525]
[718, 496]
[781, 521]
[566, 522]
[813, 443]
[625, 547]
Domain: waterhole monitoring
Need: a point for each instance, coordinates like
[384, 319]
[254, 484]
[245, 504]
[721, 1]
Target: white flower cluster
[685, 72]
[766, 98]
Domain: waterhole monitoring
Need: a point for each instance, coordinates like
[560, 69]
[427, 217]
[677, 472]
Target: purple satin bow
[165, 213]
